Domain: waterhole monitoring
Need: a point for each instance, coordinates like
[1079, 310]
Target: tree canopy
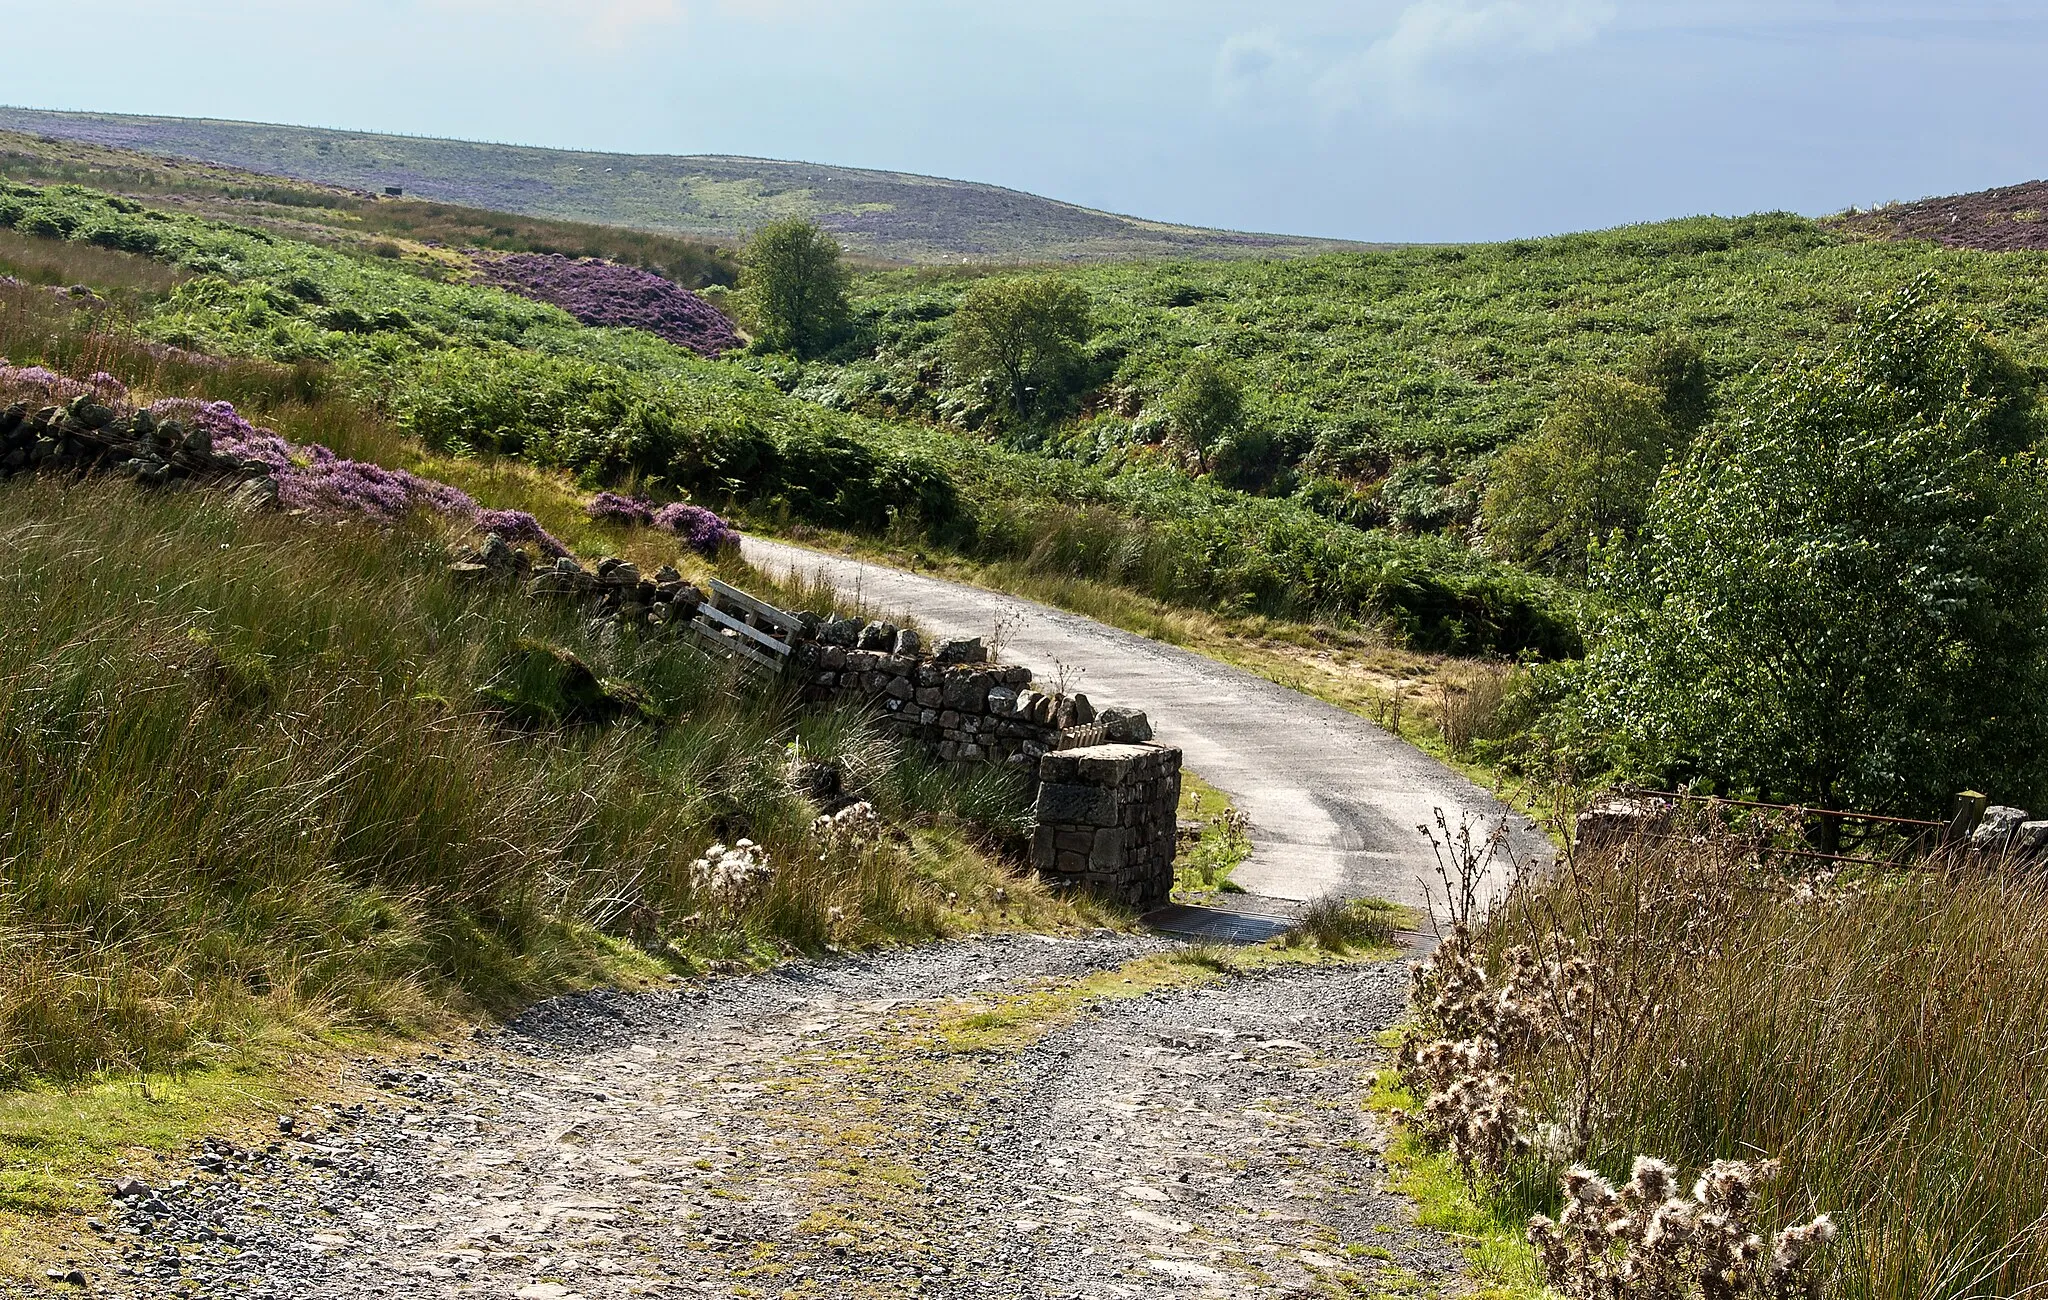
[793, 287]
[1840, 596]
[1584, 476]
[1024, 334]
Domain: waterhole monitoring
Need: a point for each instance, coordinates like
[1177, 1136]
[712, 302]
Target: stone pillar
[1106, 821]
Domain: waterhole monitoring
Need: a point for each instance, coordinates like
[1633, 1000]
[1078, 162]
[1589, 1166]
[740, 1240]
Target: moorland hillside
[890, 216]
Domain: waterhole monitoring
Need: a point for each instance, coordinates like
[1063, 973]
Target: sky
[1398, 120]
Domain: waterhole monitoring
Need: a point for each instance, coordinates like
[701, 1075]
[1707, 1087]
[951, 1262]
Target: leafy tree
[1676, 370]
[1025, 334]
[1206, 407]
[793, 287]
[1586, 475]
[1841, 597]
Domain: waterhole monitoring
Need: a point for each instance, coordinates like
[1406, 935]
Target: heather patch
[700, 529]
[603, 293]
[703, 531]
[612, 508]
[312, 478]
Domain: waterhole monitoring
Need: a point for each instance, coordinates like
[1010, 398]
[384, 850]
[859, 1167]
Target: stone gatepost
[1106, 821]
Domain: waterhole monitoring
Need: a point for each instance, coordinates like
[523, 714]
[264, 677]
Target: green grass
[1498, 1255]
[251, 785]
[425, 231]
[1387, 376]
[474, 370]
[1204, 866]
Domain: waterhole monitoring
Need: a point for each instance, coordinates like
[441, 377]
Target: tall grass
[1885, 1039]
[246, 789]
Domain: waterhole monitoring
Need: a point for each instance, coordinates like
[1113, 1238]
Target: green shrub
[1842, 593]
[1585, 477]
[1024, 335]
[793, 287]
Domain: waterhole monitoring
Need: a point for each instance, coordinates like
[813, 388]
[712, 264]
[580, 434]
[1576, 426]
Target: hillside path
[1334, 801]
[873, 1128]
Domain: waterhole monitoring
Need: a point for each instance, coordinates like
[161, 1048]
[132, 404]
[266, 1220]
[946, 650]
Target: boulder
[2030, 838]
[1995, 829]
[1125, 726]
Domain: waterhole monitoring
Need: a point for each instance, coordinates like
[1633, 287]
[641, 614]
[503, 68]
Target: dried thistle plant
[1645, 1241]
[1473, 1030]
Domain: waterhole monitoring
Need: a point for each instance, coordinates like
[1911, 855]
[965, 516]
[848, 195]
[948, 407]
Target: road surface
[1335, 802]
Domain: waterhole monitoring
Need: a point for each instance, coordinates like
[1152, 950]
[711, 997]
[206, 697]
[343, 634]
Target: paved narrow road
[1334, 801]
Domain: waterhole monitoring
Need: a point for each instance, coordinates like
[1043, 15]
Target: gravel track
[806, 1133]
[1334, 801]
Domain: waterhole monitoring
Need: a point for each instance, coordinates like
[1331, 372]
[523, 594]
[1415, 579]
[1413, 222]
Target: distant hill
[889, 216]
[2007, 220]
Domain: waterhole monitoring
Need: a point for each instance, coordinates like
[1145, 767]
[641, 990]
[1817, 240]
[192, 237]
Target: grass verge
[1503, 1264]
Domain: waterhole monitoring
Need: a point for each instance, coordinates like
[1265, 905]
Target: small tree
[1206, 407]
[1675, 369]
[1026, 334]
[793, 287]
[1586, 475]
[1841, 597]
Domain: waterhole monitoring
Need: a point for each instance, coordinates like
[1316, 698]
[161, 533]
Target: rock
[497, 553]
[254, 494]
[969, 650]
[129, 1189]
[878, 636]
[667, 576]
[90, 413]
[842, 632]
[1084, 712]
[1126, 726]
[1995, 829]
[2030, 837]
[908, 643]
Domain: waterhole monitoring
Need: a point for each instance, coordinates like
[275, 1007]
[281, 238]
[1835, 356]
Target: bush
[1025, 336]
[1206, 407]
[1842, 595]
[1586, 476]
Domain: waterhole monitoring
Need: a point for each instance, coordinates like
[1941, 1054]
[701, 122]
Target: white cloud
[1416, 67]
[1257, 70]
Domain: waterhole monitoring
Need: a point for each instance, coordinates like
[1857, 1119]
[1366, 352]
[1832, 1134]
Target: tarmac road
[1335, 802]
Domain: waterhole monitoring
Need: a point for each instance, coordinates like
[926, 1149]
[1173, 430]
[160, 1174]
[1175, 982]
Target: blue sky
[1373, 119]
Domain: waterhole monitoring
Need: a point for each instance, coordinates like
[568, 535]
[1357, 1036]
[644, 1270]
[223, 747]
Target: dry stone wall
[85, 435]
[1106, 821]
[1106, 799]
[953, 701]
